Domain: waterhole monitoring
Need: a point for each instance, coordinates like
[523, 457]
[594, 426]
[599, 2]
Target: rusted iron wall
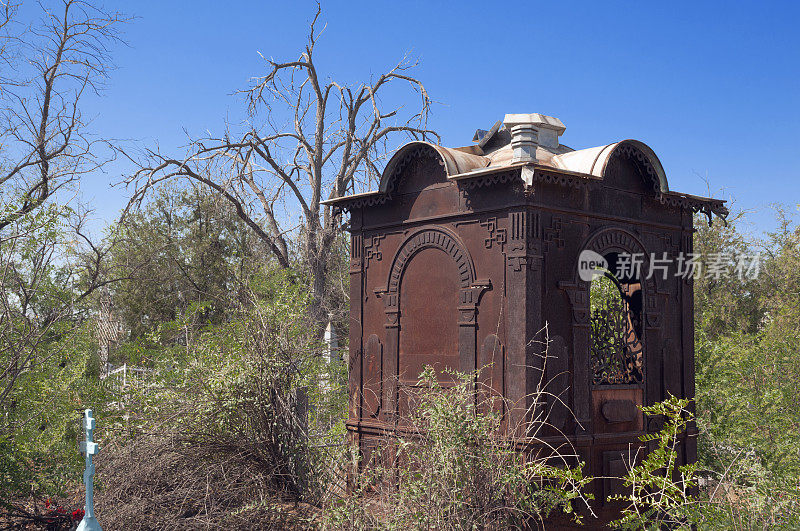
[466, 275]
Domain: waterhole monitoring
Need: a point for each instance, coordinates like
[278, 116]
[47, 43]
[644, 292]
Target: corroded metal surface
[590, 164]
[461, 259]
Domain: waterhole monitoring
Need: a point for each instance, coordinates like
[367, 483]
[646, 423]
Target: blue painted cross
[90, 448]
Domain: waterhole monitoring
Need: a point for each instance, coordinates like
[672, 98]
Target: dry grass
[158, 482]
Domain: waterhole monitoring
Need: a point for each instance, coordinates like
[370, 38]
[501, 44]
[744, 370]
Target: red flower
[77, 514]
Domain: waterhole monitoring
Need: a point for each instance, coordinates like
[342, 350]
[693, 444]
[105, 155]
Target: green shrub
[663, 495]
[457, 471]
[660, 490]
[240, 398]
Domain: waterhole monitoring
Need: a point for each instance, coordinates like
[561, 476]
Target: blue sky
[713, 88]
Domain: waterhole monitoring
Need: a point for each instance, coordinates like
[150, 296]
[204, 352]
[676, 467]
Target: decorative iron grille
[616, 350]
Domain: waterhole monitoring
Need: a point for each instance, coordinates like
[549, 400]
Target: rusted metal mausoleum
[463, 255]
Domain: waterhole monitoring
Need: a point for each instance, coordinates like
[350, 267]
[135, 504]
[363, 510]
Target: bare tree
[306, 138]
[44, 144]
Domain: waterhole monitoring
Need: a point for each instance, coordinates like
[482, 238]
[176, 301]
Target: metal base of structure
[89, 523]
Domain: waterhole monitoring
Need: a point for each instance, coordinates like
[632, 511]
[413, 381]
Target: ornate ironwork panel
[616, 349]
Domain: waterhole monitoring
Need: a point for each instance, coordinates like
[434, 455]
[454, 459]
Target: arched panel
[421, 173]
[624, 172]
[610, 242]
[597, 161]
[453, 162]
[429, 293]
[431, 287]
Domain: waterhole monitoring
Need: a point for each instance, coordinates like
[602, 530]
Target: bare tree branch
[307, 138]
[45, 147]
[43, 134]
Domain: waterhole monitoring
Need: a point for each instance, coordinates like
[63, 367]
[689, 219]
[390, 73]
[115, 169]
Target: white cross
[90, 448]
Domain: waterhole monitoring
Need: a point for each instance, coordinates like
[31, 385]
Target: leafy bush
[747, 365]
[660, 490]
[663, 495]
[455, 470]
[240, 400]
[48, 363]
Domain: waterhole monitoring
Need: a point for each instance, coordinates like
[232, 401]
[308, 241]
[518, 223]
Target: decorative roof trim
[704, 205]
[573, 169]
[454, 161]
[594, 161]
[486, 179]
